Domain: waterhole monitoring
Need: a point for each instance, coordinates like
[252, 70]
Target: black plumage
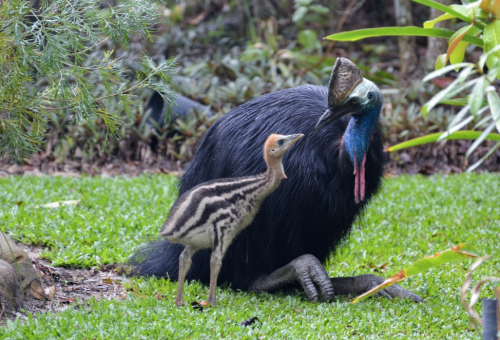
[310, 213]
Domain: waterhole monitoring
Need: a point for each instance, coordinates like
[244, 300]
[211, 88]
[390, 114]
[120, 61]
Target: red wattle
[356, 179]
[362, 180]
[359, 179]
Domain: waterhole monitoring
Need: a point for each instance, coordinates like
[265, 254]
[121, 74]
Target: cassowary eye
[370, 95]
[280, 142]
[354, 101]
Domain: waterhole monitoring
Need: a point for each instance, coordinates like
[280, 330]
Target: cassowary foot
[307, 270]
[179, 303]
[358, 285]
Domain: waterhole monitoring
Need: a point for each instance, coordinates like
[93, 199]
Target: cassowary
[211, 214]
[334, 172]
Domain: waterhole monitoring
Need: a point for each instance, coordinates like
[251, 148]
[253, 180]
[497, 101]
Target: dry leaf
[50, 292]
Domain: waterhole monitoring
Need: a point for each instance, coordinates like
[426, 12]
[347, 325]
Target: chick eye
[280, 142]
[354, 100]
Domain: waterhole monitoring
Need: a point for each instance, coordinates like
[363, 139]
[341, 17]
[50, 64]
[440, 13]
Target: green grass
[413, 217]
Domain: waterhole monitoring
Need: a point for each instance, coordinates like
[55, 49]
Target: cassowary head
[350, 94]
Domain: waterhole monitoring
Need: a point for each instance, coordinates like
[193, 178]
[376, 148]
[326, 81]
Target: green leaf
[482, 59]
[455, 101]
[456, 10]
[400, 31]
[450, 90]
[491, 37]
[461, 252]
[467, 134]
[455, 40]
[480, 139]
[476, 97]
[319, 9]
[494, 102]
[308, 38]
[455, 124]
[488, 154]
[441, 61]
[299, 14]
[431, 23]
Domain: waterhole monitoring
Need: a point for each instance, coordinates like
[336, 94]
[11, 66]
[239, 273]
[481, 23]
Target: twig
[333, 42]
[352, 10]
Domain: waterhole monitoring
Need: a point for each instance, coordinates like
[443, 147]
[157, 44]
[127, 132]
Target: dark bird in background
[334, 172]
[211, 214]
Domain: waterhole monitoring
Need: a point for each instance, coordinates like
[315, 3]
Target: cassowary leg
[184, 265]
[357, 285]
[306, 270]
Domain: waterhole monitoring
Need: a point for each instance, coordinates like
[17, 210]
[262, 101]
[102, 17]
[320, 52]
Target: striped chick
[211, 214]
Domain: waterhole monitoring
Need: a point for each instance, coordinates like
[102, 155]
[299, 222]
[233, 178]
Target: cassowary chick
[211, 214]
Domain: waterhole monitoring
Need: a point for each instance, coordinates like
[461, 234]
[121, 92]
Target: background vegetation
[230, 52]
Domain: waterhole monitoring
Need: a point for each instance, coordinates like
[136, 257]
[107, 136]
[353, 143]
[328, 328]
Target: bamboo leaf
[400, 31]
[431, 138]
[491, 37]
[461, 252]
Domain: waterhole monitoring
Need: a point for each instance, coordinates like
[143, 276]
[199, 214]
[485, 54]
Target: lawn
[413, 217]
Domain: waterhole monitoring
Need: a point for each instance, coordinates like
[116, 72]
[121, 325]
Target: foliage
[482, 28]
[414, 216]
[48, 69]
[463, 251]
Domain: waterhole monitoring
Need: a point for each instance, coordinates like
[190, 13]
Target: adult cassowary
[332, 174]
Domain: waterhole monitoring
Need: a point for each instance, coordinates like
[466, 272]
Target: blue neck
[358, 133]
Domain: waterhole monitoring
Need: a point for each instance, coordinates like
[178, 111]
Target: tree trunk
[436, 46]
[407, 55]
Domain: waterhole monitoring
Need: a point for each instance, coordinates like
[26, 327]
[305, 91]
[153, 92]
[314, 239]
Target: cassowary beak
[329, 117]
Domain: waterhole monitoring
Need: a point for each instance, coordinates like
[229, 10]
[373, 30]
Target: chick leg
[215, 264]
[223, 238]
[184, 265]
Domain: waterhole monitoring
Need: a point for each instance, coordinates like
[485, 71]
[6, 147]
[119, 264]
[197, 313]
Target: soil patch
[69, 287]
